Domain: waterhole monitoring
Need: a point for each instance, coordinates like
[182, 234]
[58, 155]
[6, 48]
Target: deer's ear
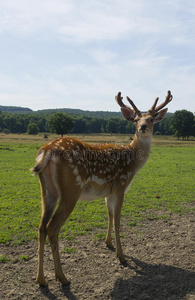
[128, 114]
[160, 115]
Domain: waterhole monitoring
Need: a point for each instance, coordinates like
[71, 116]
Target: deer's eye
[151, 120]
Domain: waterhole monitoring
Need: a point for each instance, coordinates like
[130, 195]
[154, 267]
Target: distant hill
[15, 109]
[80, 112]
[70, 111]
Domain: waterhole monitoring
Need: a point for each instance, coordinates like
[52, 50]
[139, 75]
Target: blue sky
[80, 54]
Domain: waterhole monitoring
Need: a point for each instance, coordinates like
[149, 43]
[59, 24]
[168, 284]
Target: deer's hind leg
[49, 200]
[67, 202]
[110, 221]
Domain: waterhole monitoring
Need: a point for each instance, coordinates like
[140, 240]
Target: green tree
[103, 123]
[130, 128]
[94, 126]
[122, 126]
[32, 128]
[80, 125]
[42, 124]
[163, 127]
[60, 123]
[2, 123]
[11, 122]
[182, 123]
[112, 125]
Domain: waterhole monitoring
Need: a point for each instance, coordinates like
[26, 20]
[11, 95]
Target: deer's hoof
[41, 281]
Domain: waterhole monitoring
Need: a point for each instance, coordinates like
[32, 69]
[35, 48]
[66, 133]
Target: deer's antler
[153, 110]
[118, 99]
[135, 109]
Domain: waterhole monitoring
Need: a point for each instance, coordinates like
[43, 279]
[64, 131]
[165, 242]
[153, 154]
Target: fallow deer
[71, 170]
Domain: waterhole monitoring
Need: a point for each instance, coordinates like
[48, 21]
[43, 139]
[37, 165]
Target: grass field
[165, 185]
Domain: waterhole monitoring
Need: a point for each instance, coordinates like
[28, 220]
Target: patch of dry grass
[93, 139]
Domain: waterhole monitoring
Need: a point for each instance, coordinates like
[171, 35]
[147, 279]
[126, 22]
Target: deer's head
[144, 122]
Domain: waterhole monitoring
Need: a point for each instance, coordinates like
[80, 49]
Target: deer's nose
[143, 127]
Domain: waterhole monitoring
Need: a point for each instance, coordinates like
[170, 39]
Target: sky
[80, 54]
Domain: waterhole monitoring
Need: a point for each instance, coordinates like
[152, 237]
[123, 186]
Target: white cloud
[88, 20]
[81, 53]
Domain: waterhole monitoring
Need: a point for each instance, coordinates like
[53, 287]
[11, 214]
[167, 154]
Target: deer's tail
[41, 161]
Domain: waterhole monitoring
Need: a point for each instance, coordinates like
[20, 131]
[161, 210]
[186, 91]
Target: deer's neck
[141, 147]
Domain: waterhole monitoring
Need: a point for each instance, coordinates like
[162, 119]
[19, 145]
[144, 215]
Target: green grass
[19, 201]
[3, 259]
[25, 258]
[165, 185]
[69, 250]
[100, 236]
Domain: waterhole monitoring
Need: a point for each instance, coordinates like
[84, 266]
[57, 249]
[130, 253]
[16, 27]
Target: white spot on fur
[98, 180]
[129, 174]
[123, 176]
[70, 159]
[40, 157]
[76, 171]
[79, 180]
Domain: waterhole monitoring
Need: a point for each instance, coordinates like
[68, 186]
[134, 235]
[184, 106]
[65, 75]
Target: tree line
[181, 124]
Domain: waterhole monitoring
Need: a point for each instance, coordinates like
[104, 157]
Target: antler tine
[168, 99]
[136, 110]
[154, 109]
[154, 105]
[118, 99]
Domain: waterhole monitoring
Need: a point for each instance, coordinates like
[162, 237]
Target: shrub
[32, 128]
[6, 131]
[157, 133]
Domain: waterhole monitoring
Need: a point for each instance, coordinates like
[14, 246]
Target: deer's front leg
[117, 216]
[110, 221]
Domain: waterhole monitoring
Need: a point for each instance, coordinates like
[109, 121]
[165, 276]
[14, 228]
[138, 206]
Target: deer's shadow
[157, 281]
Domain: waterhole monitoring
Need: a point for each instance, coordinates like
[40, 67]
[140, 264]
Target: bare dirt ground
[160, 265]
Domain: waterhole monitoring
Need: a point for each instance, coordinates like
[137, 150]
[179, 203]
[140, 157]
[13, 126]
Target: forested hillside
[15, 109]
[80, 112]
[21, 120]
[70, 111]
